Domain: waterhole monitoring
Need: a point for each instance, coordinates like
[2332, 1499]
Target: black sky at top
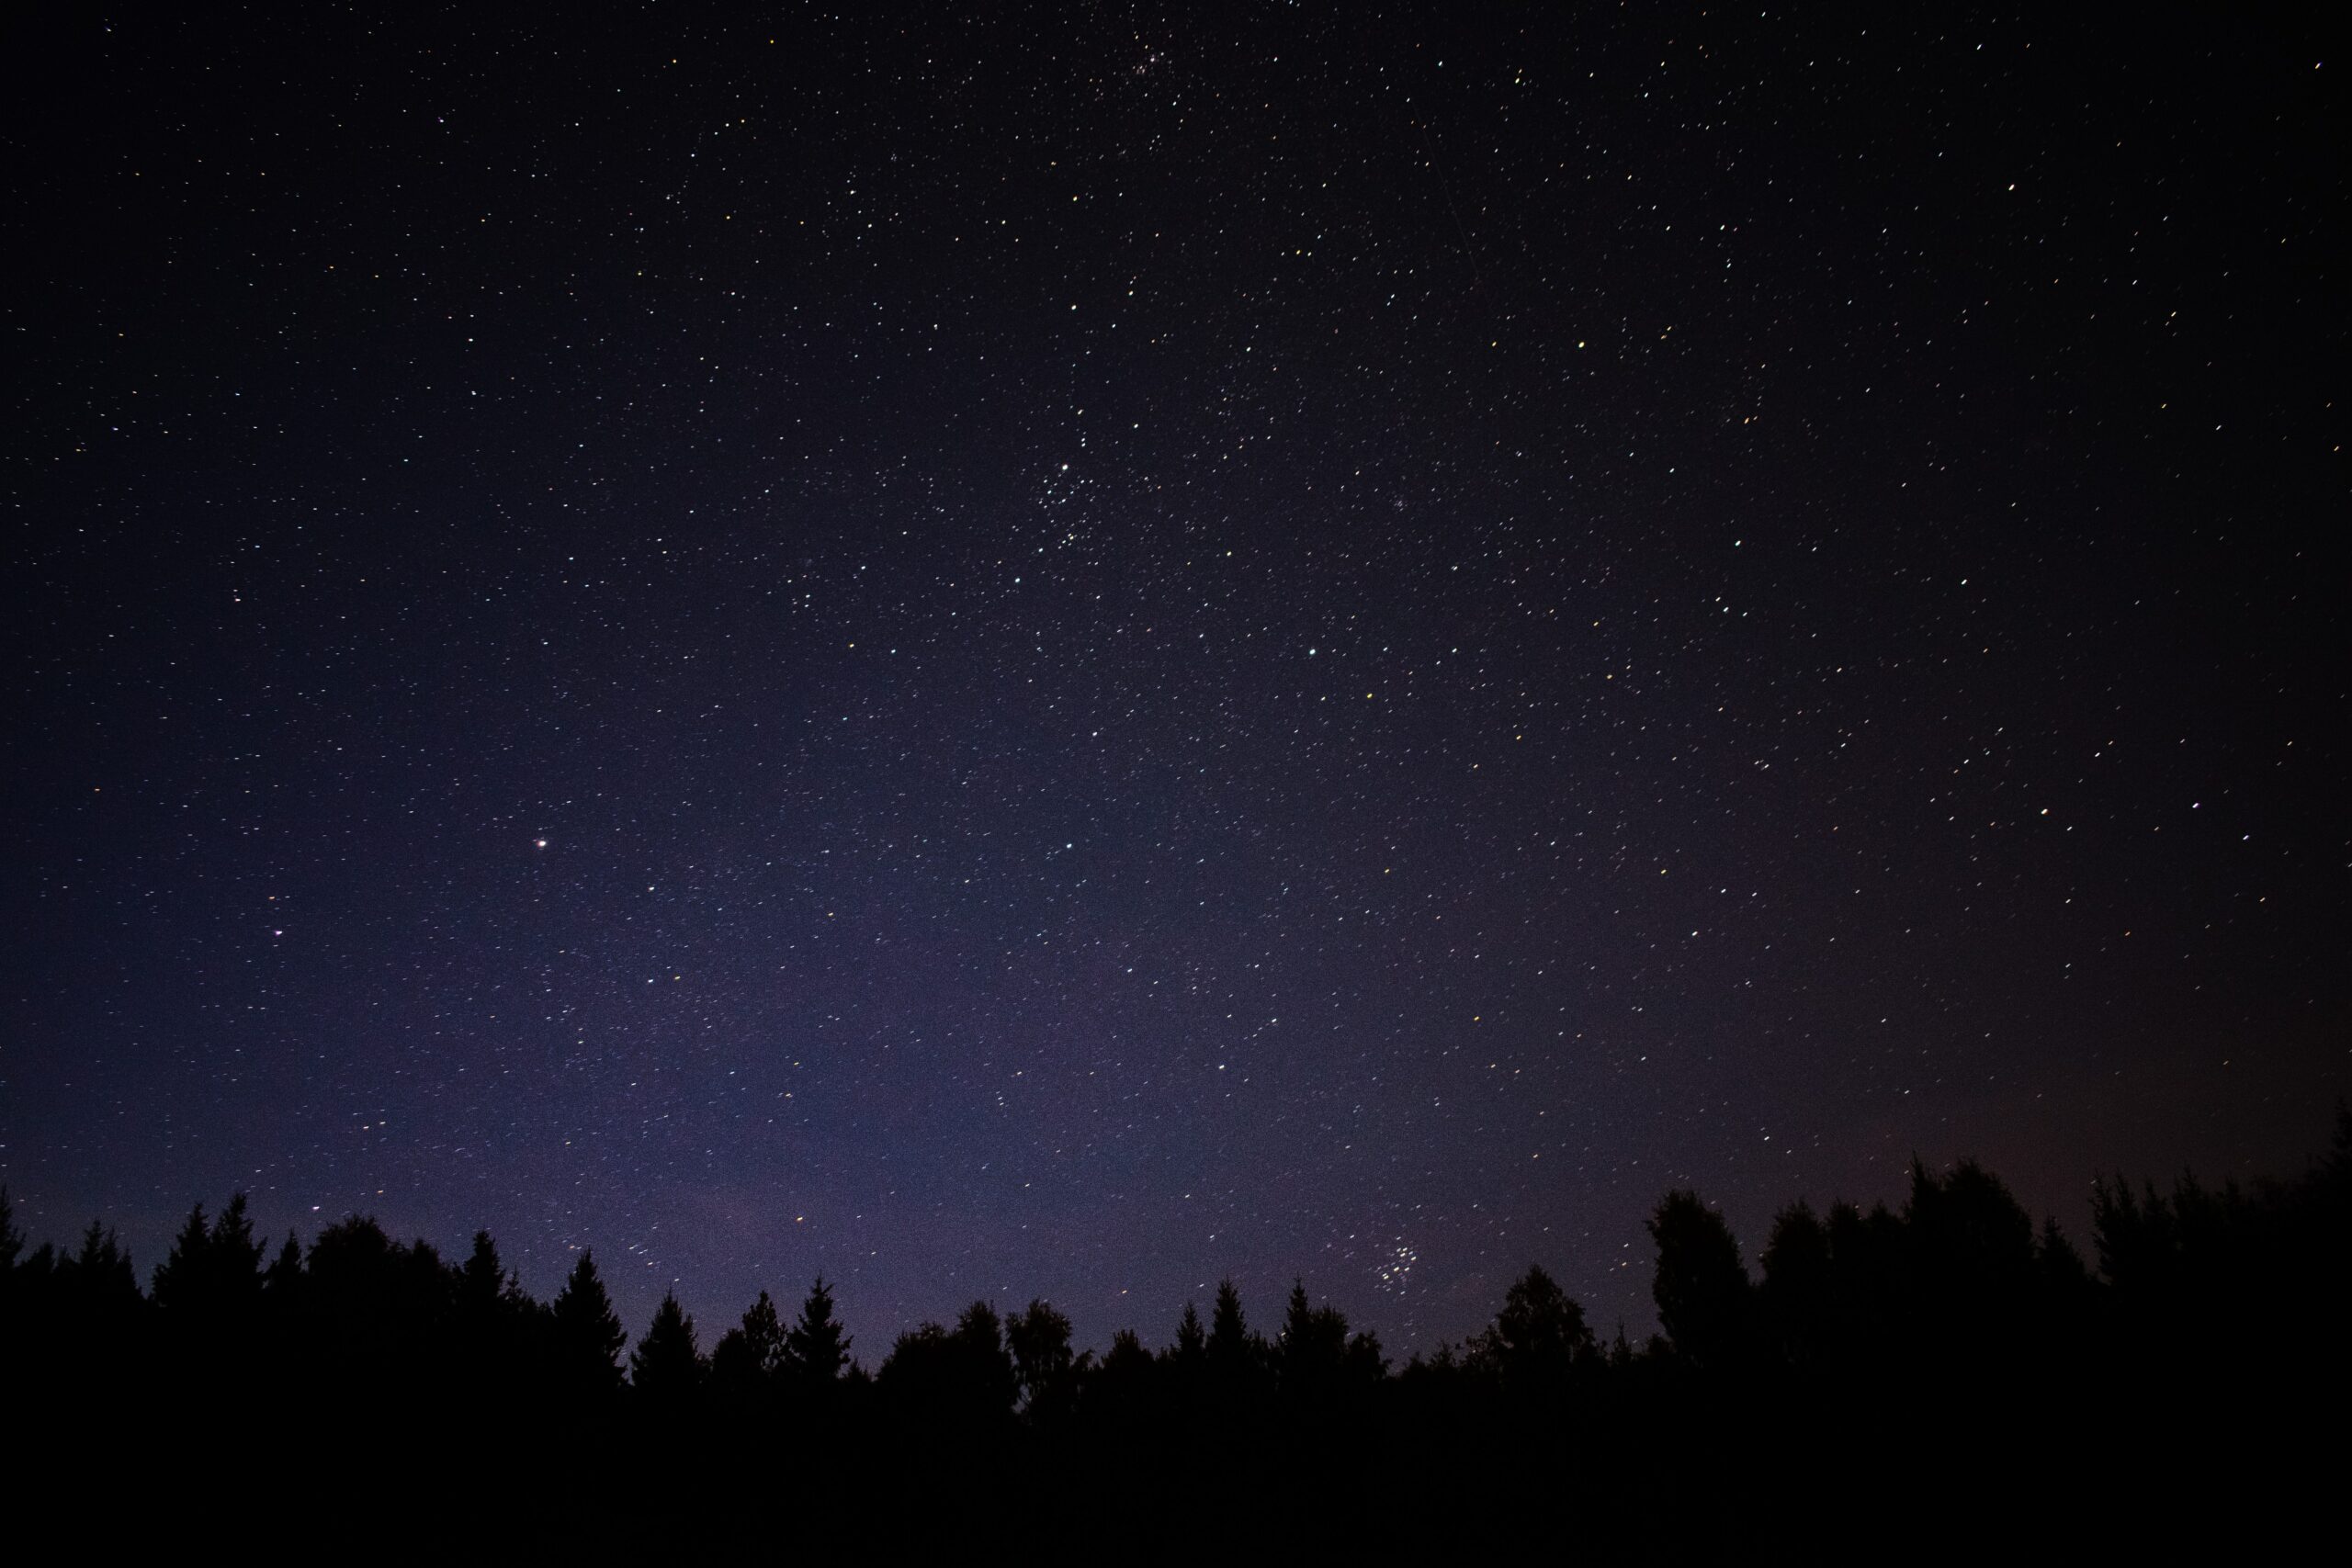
[1065, 653]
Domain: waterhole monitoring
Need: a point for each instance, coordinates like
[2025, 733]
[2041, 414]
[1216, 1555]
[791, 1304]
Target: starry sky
[1070, 650]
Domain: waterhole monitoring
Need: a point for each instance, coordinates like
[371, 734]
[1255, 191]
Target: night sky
[1067, 652]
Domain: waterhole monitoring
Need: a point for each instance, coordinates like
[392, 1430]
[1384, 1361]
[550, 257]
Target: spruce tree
[235, 1255]
[1191, 1339]
[1313, 1350]
[1229, 1347]
[816, 1347]
[99, 1280]
[285, 1271]
[588, 1336]
[667, 1367]
[482, 1281]
[180, 1279]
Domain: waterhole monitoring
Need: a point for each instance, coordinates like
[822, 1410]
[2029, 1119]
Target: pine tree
[482, 1281]
[285, 1271]
[1228, 1341]
[490, 1318]
[1298, 1317]
[816, 1347]
[99, 1280]
[667, 1367]
[213, 1273]
[1310, 1356]
[588, 1336]
[180, 1281]
[1192, 1340]
[235, 1255]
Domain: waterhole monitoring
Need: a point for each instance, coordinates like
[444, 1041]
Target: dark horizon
[2004, 1384]
[1070, 656]
[2240, 1216]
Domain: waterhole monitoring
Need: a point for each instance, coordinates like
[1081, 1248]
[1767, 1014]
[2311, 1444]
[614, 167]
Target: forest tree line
[1953, 1315]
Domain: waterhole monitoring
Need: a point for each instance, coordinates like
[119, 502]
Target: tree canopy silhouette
[667, 1367]
[1955, 1322]
[1701, 1288]
[588, 1333]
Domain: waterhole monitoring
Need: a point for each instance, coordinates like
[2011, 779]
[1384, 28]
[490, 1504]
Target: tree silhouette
[1126, 1388]
[1310, 1356]
[98, 1282]
[491, 1322]
[1953, 1321]
[1538, 1338]
[1972, 1238]
[205, 1291]
[667, 1368]
[1127, 1360]
[482, 1281]
[960, 1383]
[587, 1332]
[1701, 1288]
[214, 1270]
[1192, 1341]
[817, 1347]
[76, 1324]
[2134, 1236]
[236, 1252]
[181, 1282]
[748, 1363]
[351, 1271]
[1231, 1351]
[983, 1365]
[1044, 1365]
[281, 1286]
